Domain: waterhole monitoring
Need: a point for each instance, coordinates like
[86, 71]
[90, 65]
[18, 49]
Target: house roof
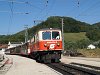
[3, 46]
[91, 45]
[16, 43]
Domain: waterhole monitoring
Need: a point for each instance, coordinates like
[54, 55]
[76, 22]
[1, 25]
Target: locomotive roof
[49, 29]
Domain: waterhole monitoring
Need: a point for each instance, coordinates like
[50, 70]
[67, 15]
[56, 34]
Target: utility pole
[26, 33]
[62, 23]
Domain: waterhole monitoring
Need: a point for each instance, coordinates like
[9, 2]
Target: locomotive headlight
[58, 44]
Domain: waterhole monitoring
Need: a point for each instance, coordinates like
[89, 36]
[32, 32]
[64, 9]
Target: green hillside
[72, 29]
[74, 36]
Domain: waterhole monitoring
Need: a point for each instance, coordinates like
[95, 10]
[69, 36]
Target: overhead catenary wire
[89, 12]
[12, 1]
[30, 4]
[78, 2]
[11, 17]
[26, 2]
[15, 12]
[88, 9]
[48, 9]
[11, 7]
[46, 3]
[33, 5]
[44, 9]
[83, 12]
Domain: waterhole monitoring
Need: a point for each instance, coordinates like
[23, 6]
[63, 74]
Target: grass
[74, 36]
[90, 53]
[79, 36]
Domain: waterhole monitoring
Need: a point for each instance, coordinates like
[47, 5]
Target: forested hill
[97, 25]
[70, 25]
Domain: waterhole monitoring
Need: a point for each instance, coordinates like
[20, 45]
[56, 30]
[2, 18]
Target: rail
[72, 69]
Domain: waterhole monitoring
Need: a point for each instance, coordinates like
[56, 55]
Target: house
[14, 44]
[2, 49]
[91, 47]
[3, 46]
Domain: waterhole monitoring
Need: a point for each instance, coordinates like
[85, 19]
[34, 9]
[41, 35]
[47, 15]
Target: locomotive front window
[55, 35]
[46, 35]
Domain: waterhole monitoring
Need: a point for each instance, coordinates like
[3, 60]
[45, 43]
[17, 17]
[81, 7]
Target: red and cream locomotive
[45, 46]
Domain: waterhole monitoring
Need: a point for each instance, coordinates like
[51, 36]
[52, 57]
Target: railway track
[97, 60]
[5, 66]
[75, 69]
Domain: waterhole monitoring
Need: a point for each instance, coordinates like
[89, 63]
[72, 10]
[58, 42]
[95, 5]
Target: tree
[69, 45]
[70, 25]
[83, 43]
[93, 34]
[99, 44]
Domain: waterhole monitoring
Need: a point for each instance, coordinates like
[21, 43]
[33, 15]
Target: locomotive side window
[34, 39]
[55, 35]
[46, 35]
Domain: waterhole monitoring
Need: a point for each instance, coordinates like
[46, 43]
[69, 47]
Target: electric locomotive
[46, 45]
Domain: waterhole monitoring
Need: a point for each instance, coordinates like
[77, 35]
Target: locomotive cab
[50, 40]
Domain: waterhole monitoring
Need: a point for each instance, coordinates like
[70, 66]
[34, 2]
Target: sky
[15, 14]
